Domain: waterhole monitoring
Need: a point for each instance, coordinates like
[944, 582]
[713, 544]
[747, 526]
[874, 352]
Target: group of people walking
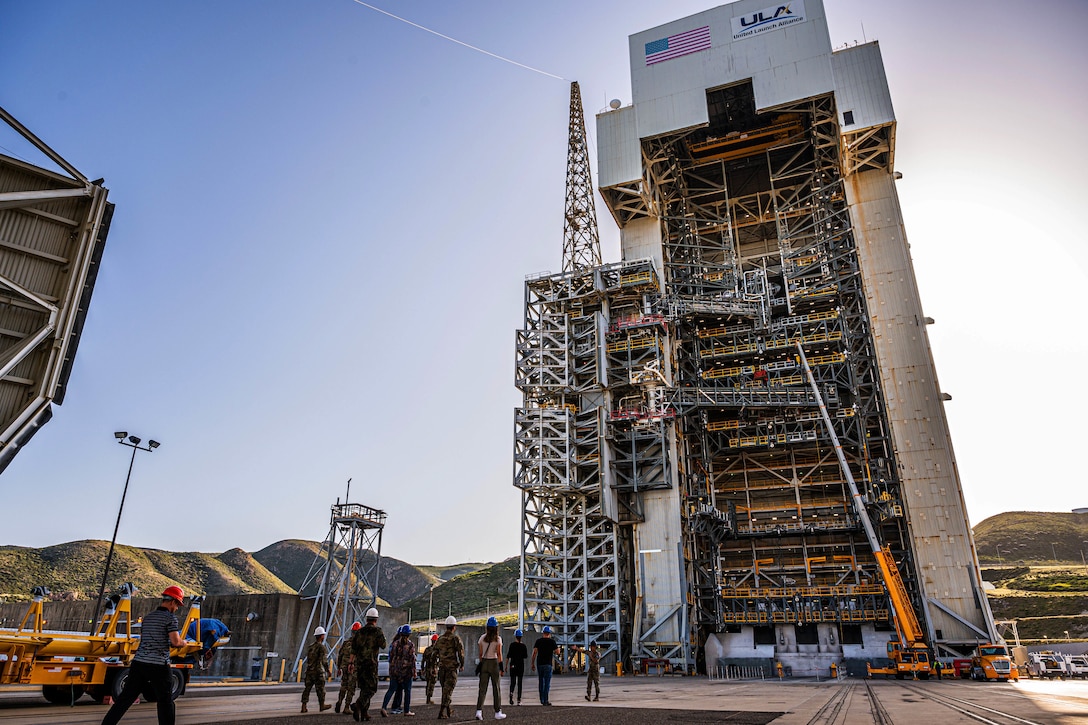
[443, 660]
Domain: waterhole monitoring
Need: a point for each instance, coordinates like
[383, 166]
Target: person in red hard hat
[430, 668]
[150, 668]
[346, 668]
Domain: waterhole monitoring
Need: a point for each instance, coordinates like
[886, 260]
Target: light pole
[998, 547]
[430, 606]
[134, 443]
[1054, 551]
[1082, 561]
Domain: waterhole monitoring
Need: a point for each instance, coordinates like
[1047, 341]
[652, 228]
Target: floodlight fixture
[134, 440]
[120, 435]
[152, 444]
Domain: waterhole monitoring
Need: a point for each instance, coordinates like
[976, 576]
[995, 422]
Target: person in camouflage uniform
[430, 667]
[365, 646]
[345, 666]
[593, 671]
[317, 670]
[451, 660]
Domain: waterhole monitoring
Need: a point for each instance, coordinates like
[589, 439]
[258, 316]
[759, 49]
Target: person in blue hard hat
[489, 648]
[516, 654]
[543, 651]
[402, 670]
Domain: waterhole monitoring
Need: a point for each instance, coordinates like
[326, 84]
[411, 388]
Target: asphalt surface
[541, 715]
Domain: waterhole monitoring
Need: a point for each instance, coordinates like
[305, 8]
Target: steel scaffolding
[345, 572]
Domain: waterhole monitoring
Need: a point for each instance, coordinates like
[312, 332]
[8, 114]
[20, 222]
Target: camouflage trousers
[316, 681]
[448, 678]
[593, 679]
[432, 677]
[347, 687]
[367, 678]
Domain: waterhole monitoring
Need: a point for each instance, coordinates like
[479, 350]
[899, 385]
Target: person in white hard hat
[451, 660]
[366, 644]
[317, 670]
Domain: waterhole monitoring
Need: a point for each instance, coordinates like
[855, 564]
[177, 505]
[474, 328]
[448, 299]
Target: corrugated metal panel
[657, 542]
[49, 250]
[940, 531]
[641, 238]
[619, 158]
[862, 87]
[785, 64]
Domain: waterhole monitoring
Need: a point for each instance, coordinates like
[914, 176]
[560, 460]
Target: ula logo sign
[777, 16]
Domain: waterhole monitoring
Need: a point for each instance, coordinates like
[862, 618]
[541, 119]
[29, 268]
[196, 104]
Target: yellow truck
[68, 664]
[992, 662]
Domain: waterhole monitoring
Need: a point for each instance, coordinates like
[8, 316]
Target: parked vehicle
[1076, 666]
[383, 665]
[992, 662]
[1047, 665]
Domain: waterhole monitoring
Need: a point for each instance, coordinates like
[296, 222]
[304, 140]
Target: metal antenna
[581, 245]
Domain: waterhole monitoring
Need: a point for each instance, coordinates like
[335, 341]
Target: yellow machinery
[69, 664]
[909, 655]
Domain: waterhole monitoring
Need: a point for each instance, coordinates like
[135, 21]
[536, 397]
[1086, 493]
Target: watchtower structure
[346, 573]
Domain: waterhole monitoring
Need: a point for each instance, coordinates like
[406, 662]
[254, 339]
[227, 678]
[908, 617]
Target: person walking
[593, 671]
[317, 670]
[489, 650]
[345, 670]
[451, 660]
[365, 646]
[402, 670]
[430, 667]
[516, 656]
[543, 651]
[150, 668]
[939, 667]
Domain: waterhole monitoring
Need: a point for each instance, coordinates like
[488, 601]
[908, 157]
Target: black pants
[516, 678]
[144, 676]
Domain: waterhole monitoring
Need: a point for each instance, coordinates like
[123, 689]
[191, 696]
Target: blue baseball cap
[547, 630]
[492, 622]
[518, 633]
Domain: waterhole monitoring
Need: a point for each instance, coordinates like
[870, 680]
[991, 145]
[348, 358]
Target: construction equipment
[992, 662]
[909, 654]
[69, 664]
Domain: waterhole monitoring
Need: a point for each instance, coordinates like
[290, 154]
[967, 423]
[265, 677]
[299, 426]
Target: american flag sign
[674, 46]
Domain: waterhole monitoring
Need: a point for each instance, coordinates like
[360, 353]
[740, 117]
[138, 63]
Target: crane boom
[909, 653]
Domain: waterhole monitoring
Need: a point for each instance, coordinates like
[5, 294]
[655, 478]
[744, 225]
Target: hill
[296, 562]
[1032, 537]
[471, 592]
[74, 570]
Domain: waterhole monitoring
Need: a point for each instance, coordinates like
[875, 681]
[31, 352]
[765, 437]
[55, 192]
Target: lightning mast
[581, 244]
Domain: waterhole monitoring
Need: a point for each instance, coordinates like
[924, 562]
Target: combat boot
[304, 707]
[324, 707]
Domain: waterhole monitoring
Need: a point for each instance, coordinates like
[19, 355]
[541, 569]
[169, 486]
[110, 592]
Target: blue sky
[325, 217]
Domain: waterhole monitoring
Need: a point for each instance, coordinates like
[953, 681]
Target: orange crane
[909, 653]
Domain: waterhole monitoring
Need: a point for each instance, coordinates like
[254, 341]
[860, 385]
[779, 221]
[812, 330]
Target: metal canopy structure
[53, 231]
[345, 573]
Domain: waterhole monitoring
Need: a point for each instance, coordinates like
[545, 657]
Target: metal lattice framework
[771, 534]
[581, 245]
[345, 573]
[53, 228]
